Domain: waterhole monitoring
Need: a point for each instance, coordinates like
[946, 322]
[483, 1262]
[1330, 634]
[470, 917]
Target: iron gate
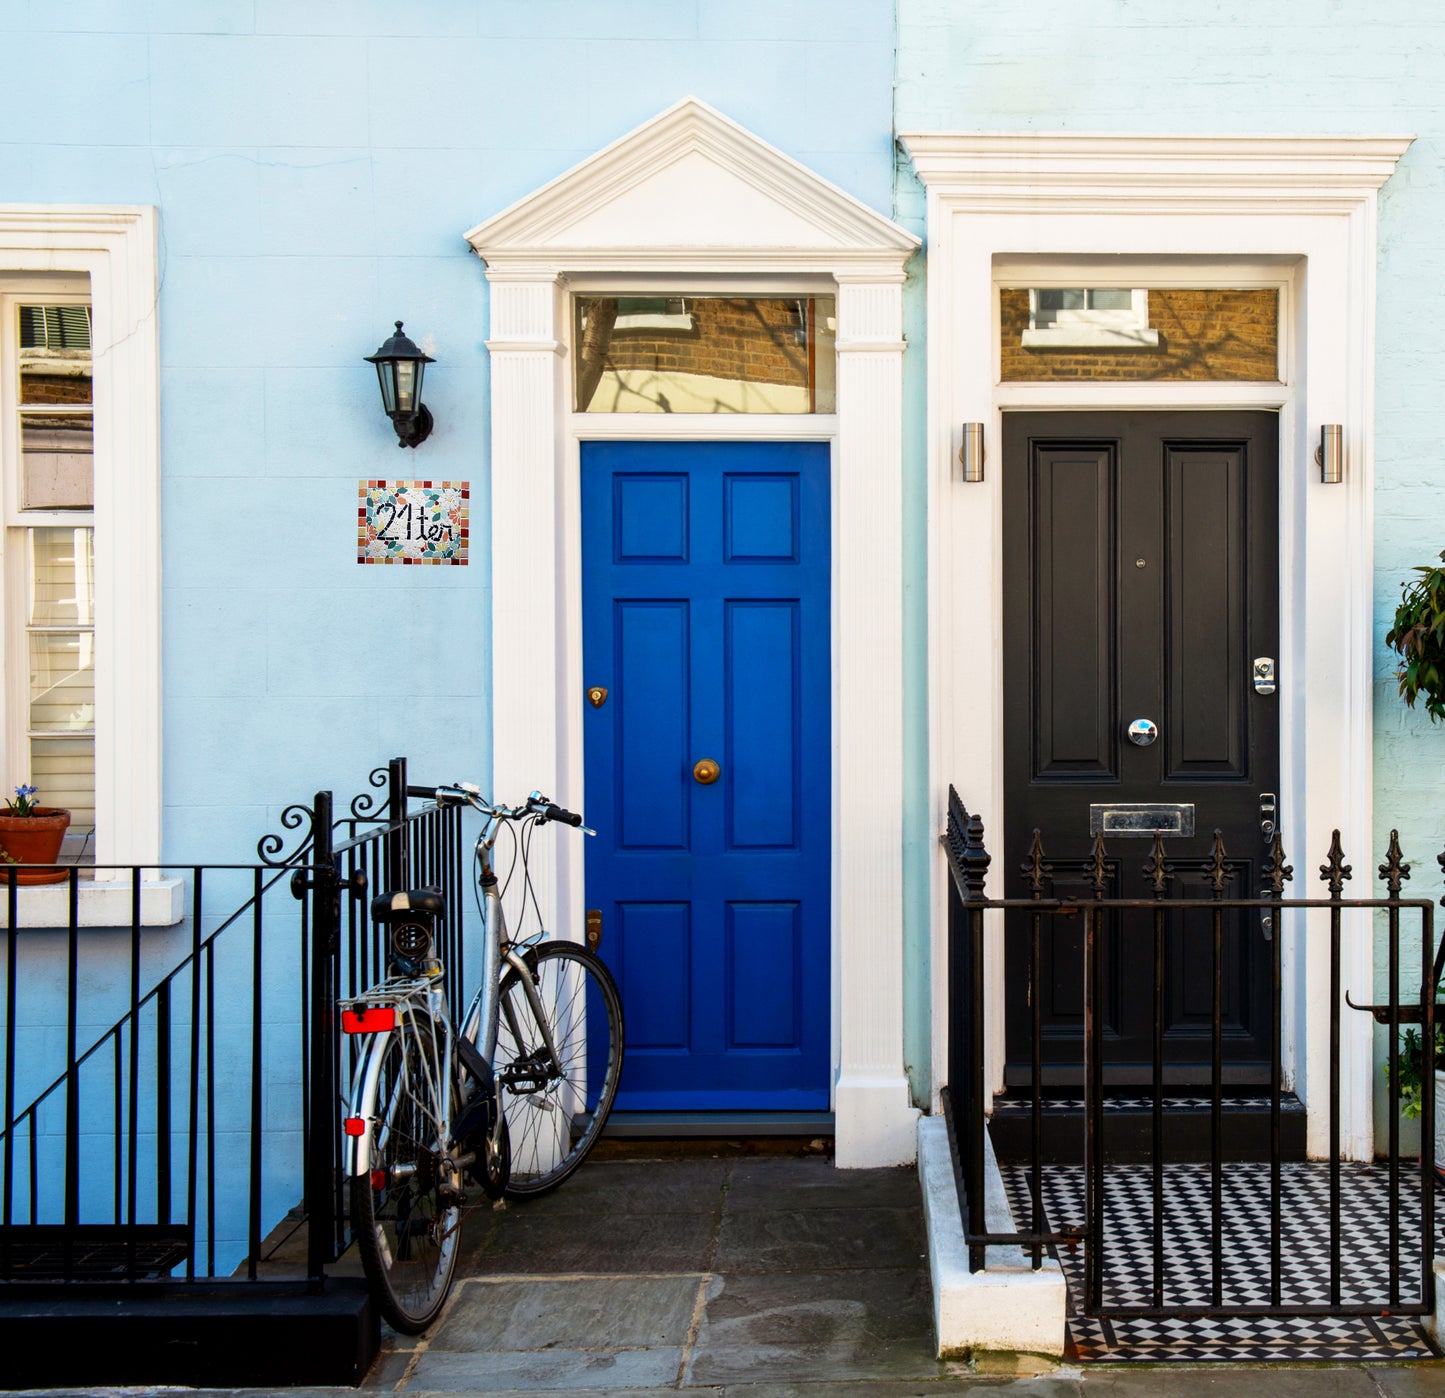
[1356, 1285]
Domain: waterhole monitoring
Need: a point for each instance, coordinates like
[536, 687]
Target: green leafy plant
[1412, 1064]
[1419, 636]
[24, 803]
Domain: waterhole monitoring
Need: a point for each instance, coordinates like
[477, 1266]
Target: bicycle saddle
[414, 900]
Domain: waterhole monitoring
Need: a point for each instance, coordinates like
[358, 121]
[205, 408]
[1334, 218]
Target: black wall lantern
[399, 367]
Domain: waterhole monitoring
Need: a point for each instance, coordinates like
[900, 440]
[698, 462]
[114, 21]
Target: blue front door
[705, 579]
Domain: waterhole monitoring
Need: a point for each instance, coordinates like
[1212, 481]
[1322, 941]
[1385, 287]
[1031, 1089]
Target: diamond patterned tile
[1245, 1234]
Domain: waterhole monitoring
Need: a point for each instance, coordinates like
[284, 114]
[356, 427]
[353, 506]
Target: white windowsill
[1091, 337]
[107, 904]
[654, 322]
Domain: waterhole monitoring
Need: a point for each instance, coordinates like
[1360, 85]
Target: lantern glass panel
[408, 372]
[384, 375]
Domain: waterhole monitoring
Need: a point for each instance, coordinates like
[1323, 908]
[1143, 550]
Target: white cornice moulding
[1083, 163]
[690, 188]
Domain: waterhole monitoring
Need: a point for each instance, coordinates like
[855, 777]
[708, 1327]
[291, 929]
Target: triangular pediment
[690, 184]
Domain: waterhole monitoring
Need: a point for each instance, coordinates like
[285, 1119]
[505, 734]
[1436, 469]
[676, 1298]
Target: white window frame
[115, 247]
[15, 756]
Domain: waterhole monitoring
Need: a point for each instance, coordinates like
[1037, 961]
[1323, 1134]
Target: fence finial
[1157, 872]
[1035, 868]
[975, 859]
[1336, 871]
[1394, 870]
[1276, 871]
[1218, 866]
[1098, 867]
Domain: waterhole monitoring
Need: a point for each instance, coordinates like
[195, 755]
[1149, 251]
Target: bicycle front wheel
[556, 1108]
[406, 1216]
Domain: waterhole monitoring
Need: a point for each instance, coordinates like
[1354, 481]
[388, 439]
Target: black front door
[1141, 583]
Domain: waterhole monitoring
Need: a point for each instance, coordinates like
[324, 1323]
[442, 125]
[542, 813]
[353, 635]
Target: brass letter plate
[1142, 818]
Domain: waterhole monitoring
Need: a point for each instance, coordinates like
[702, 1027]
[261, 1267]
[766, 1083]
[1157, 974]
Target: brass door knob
[706, 772]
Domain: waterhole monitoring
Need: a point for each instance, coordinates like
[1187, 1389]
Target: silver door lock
[1268, 810]
[1264, 675]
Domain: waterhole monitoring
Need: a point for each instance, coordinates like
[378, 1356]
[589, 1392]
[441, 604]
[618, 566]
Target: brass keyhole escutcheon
[597, 696]
[706, 772]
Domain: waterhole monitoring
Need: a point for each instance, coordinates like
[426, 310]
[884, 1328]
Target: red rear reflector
[378, 1180]
[368, 1021]
[354, 1126]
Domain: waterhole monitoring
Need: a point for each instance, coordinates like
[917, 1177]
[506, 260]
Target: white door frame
[691, 201]
[1202, 210]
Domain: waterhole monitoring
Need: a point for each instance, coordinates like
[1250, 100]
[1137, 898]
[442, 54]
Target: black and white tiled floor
[1305, 1261]
[1116, 1103]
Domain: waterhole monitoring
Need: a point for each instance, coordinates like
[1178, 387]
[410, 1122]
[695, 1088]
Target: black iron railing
[967, 1100]
[171, 1094]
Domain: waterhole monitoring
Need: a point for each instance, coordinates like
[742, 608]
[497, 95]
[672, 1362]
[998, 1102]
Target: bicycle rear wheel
[556, 1111]
[407, 1219]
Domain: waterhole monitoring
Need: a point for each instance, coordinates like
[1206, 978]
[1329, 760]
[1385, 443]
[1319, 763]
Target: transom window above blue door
[705, 354]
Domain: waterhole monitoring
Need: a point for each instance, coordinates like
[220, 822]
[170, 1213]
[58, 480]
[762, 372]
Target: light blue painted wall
[315, 165]
[1234, 66]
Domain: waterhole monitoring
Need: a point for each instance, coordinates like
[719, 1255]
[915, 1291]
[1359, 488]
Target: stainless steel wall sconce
[970, 454]
[1331, 453]
[399, 367]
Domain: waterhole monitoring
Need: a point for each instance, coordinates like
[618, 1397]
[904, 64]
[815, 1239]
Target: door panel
[1073, 586]
[1141, 578]
[1206, 621]
[706, 616]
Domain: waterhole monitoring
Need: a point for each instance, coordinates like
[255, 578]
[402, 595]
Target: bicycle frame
[481, 1017]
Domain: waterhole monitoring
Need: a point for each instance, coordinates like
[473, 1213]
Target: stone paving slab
[1220, 1382]
[812, 1308]
[832, 1363]
[906, 1388]
[547, 1371]
[818, 1184]
[635, 1187]
[1410, 1380]
[820, 1239]
[577, 1313]
[598, 1242]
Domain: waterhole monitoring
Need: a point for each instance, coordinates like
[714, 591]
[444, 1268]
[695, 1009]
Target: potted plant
[31, 834]
[1412, 1061]
[1418, 634]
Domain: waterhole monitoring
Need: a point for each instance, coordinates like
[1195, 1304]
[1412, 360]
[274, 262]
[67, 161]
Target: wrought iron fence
[1349, 1290]
[169, 1143]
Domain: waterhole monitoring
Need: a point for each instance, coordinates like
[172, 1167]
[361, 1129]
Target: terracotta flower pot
[33, 839]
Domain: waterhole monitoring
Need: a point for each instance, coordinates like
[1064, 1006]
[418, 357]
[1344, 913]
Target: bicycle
[511, 1103]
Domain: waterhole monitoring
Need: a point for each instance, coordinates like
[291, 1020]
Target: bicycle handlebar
[537, 806]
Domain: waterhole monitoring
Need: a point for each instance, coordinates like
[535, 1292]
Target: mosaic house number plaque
[412, 522]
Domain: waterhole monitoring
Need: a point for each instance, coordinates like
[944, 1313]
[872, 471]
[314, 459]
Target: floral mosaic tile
[412, 522]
